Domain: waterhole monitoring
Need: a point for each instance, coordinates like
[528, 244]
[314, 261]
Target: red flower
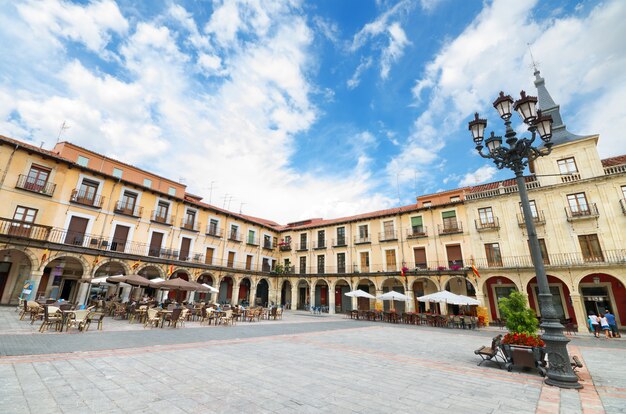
[522, 339]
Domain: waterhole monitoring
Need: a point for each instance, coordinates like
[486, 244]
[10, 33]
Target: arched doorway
[497, 287]
[244, 292]
[151, 273]
[304, 301]
[285, 294]
[321, 295]
[178, 295]
[226, 290]
[421, 287]
[396, 285]
[103, 290]
[205, 279]
[342, 302]
[61, 277]
[601, 292]
[560, 298]
[461, 286]
[366, 285]
[15, 268]
[262, 293]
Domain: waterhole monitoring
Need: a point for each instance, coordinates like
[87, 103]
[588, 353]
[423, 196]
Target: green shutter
[416, 221]
[448, 214]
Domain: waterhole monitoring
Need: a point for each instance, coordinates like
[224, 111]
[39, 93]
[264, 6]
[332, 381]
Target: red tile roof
[610, 162]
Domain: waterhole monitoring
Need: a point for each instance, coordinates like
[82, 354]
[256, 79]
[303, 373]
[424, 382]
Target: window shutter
[448, 214]
[416, 221]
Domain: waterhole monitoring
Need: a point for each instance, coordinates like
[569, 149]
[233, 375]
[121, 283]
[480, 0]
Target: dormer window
[567, 166]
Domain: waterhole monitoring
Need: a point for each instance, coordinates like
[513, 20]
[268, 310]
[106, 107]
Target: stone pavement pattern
[300, 364]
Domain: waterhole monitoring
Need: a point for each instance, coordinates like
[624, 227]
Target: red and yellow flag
[475, 271]
[170, 270]
[135, 265]
[45, 255]
[96, 260]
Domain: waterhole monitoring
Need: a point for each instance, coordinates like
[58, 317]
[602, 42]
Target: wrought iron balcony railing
[302, 247]
[388, 235]
[417, 231]
[86, 198]
[268, 245]
[127, 209]
[191, 225]
[539, 219]
[161, 218]
[339, 242]
[284, 247]
[362, 239]
[451, 228]
[36, 186]
[581, 213]
[487, 225]
[234, 236]
[252, 241]
[319, 244]
[214, 231]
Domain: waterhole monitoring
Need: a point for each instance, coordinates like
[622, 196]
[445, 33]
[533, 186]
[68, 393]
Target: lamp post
[515, 156]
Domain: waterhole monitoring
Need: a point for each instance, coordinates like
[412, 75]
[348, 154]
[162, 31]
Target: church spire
[547, 105]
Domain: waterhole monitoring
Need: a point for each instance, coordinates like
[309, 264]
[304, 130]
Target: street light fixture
[515, 156]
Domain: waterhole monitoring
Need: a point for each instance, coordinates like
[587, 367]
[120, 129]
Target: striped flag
[475, 271]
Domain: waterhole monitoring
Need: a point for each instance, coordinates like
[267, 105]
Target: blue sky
[292, 109]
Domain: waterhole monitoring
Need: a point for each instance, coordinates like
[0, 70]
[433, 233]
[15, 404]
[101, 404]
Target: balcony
[86, 198]
[319, 244]
[362, 239]
[389, 235]
[191, 225]
[417, 232]
[284, 246]
[128, 209]
[302, 247]
[234, 236]
[590, 212]
[16, 228]
[487, 225]
[539, 219]
[268, 245]
[214, 231]
[161, 218]
[252, 241]
[570, 178]
[622, 204]
[35, 186]
[340, 242]
[450, 228]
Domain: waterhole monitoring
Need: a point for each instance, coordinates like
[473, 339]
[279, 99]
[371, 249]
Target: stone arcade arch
[262, 293]
[321, 298]
[179, 295]
[245, 287]
[368, 286]
[16, 266]
[343, 303]
[560, 297]
[225, 294]
[602, 291]
[423, 286]
[61, 275]
[111, 268]
[396, 284]
[285, 294]
[304, 293]
[495, 287]
[207, 279]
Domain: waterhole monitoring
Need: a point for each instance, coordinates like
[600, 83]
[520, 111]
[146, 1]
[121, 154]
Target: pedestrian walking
[594, 321]
[604, 324]
[612, 324]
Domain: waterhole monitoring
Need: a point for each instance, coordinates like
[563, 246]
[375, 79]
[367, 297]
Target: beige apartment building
[68, 215]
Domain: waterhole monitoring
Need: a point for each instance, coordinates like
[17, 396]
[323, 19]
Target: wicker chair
[152, 318]
[78, 320]
[227, 318]
[51, 316]
[175, 317]
[95, 317]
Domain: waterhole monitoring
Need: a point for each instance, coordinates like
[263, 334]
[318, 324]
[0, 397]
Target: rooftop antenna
[230, 198]
[241, 207]
[224, 203]
[534, 64]
[64, 126]
[211, 191]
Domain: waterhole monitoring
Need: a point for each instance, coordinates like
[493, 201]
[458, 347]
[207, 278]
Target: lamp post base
[559, 373]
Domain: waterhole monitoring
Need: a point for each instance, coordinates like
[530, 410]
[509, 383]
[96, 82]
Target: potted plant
[521, 346]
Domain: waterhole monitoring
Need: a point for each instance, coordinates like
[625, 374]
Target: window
[485, 216]
[567, 166]
[37, 178]
[341, 236]
[320, 263]
[624, 192]
[190, 219]
[417, 226]
[231, 259]
[341, 263]
[129, 200]
[171, 191]
[455, 256]
[390, 260]
[365, 261]
[87, 192]
[303, 241]
[147, 182]
[302, 265]
[266, 266]
[364, 233]
[213, 227]
[251, 237]
[388, 230]
[419, 253]
[321, 238]
[249, 262]
[210, 251]
[82, 161]
[494, 258]
[287, 265]
[24, 215]
[543, 249]
[428, 203]
[267, 241]
[590, 247]
[578, 204]
[454, 199]
[449, 221]
[117, 173]
[162, 211]
[234, 232]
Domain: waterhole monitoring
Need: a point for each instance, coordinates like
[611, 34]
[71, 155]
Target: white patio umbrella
[466, 300]
[360, 294]
[440, 297]
[393, 295]
[211, 288]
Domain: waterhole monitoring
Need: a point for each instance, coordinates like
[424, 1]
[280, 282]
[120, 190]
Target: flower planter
[521, 356]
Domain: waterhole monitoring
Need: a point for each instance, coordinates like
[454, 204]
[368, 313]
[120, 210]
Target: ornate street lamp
[515, 156]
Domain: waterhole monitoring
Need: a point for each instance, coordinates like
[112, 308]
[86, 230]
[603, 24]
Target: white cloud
[89, 25]
[481, 175]
[429, 5]
[355, 80]
[327, 28]
[395, 50]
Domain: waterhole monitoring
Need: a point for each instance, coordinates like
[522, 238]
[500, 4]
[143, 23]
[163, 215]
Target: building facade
[68, 215]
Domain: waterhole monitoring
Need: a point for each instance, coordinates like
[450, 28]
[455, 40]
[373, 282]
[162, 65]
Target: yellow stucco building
[69, 215]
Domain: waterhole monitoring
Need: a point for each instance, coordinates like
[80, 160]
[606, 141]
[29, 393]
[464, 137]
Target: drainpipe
[4, 173]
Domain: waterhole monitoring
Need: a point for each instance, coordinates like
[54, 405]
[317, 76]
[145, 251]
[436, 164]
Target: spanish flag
[170, 271]
[135, 265]
[45, 255]
[475, 271]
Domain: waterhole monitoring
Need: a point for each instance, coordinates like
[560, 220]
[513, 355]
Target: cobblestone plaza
[303, 363]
